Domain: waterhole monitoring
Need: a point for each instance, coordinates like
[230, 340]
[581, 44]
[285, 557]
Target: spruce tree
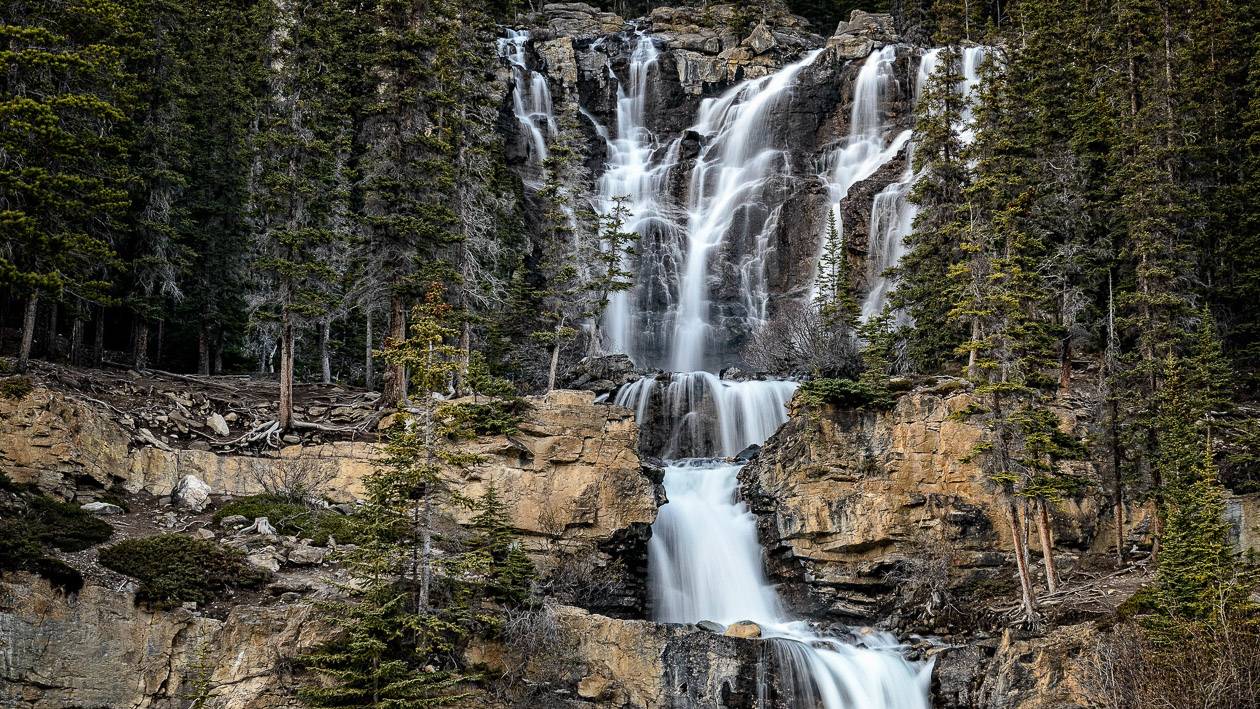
[834, 298]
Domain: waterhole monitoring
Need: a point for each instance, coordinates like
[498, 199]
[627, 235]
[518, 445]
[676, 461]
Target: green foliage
[842, 394]
[835, 299]
[495, 417]
[510, 572]
[175, 568]
[15, 388]
[65, 526]
[292, 517]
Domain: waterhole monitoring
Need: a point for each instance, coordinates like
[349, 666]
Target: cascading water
[892, 212]
[531, 98]
[704, 557]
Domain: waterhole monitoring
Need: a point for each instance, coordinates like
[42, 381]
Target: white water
[706, 415]
[531, 98]
[892, 212]
[705, 564]
[704, 557]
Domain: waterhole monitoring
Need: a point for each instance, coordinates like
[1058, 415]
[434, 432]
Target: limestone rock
[743, 629]
[579, 20]
[559, 58]
[218, 424]
[191, 494]
[305, 555]
[848, 46]
[268, 560]
[101, 649]
[878, 26]
[102, 508]
[761, 40]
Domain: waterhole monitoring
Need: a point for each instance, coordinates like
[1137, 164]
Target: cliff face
[845, 498]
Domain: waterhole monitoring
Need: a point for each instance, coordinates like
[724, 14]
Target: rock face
[98, 649]
[844, 497]
[1014, 673]
[571, 476]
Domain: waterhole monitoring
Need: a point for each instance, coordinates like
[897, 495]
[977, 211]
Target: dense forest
[316, 190]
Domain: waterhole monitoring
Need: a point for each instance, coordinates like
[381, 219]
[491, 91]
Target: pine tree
[62, 100]
[612, 258]
[834, 299]
[934, 243]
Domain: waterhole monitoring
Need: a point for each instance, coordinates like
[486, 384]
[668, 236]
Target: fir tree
[834, 299]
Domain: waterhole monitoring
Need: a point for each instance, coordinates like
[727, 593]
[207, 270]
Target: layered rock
[570, 477]
[844, 497]
[99, 649]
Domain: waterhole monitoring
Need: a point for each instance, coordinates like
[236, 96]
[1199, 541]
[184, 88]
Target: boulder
[762, 39]
[191, 494]
[266, 559]
[234, 522]
[711, 627]
[218, 424]
[305, 555]
[743, 629]
[878, 26]
[579, 20]
[849, 46]
[102, 508]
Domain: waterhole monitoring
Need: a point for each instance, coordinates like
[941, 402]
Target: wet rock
[711, 627]
[191, 494]
[748, 454]
[102, 508]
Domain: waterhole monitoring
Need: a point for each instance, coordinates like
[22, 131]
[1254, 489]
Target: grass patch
[289, 516]
[174, 569]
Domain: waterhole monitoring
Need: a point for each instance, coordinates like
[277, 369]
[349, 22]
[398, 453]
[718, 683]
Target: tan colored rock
[743, 629]
[560, 59]
[98, 649]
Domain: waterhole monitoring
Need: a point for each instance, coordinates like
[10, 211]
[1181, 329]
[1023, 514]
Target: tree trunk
[1117, 492]
[973, 357]
[1065, 366]
[465, 354]
[50, 347]
[203, 348]
[395, 376]
[1021, 559]
[367, 355]
[217, 366]
[28, 332]
[285, 414]
[76, 340]
[140, 347]
[1047, 544]
[555, 363]
[325, 360]
[161, 339]
[98, 337]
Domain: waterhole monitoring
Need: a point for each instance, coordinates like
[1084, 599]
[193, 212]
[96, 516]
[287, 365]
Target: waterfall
[705, 564]
[631, 174]
[892, 212]
[531, 98]
[703, 415]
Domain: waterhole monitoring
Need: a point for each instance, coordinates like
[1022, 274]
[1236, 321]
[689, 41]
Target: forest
[320, 191]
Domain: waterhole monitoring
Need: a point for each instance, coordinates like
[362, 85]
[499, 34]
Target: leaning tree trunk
[1117, 492]
[555, 363]
[325, 359]
[1021, 559]
[1047, 544]
[285, 415]
[28, 332]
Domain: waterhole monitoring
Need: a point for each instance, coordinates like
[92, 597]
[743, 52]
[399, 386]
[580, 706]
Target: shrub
[291, 517]
[20, 550]
[15, 388]
[66, 526]
[841, 393]
[173, 569]
[492, 418]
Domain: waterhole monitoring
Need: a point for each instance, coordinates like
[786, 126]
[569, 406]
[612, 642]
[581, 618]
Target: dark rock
[748, 454]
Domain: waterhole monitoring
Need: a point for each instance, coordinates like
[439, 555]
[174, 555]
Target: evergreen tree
[62, 99]
[834, 298]
[934, 243]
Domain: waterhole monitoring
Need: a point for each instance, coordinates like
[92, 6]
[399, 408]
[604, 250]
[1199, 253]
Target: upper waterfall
[531, 99]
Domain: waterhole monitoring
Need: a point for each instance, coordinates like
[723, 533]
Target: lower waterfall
[705, 564]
